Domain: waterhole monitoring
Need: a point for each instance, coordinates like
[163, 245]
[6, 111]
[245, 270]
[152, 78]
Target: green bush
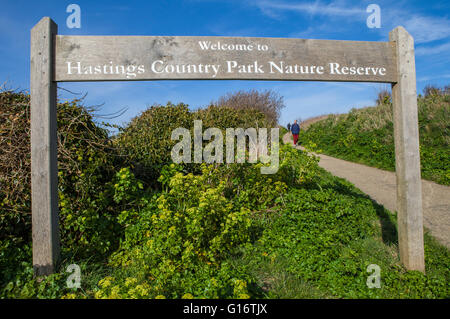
[15, 161]
[86, 163]
[146, 141]
[181, 236]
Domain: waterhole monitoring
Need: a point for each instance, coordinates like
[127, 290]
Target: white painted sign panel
[115, 58]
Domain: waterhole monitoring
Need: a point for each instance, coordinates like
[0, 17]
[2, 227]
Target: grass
[291, 259]
[273, 280]
[321, 243]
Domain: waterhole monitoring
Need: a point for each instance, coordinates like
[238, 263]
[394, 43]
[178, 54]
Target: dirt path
[381, 186]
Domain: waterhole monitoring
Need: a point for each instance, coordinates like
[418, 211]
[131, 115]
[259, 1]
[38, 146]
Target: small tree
[269, 102]
[431, 90]
[383, 97]
[446, 90]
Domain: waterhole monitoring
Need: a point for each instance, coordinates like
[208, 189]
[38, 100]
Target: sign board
[122, 58]
[58, 58]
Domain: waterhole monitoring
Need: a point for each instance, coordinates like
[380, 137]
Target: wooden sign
[57, 58]
[108, 58]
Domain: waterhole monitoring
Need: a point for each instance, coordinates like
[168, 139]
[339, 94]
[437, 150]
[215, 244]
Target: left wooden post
[44, 165]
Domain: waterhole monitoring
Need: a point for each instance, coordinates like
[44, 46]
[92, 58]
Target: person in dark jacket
[289, 126]
[295, 129]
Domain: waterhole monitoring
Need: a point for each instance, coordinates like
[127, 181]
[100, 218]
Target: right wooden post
[407, 155]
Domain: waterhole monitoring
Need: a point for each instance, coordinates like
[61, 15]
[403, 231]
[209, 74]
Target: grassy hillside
[209, 231]
[366, 136]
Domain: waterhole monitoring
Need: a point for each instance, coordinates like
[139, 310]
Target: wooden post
[407, 155]
[44, 167]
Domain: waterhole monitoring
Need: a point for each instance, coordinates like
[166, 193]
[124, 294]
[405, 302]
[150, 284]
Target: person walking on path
[289, 126]
[295, 129]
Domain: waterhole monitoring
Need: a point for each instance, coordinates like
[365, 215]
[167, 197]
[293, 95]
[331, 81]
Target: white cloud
[426, 29]
[433, 77]
[423, 28]
[333, 9]
[421, 50]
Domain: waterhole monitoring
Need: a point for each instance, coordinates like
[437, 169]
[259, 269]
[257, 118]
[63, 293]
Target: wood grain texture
[117, 51]
[44, 168]
[407, 155]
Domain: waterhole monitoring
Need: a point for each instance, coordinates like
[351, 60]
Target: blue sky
[427, 21]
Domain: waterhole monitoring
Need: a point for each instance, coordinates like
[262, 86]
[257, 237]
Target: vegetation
[209, 231]
[268, 102]
[366, 135]
[148, 150]
[383, 97]
[86, 163]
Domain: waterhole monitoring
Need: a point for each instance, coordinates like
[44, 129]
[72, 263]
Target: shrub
[181, 236]
[224, 117]
[268, 102]
[86, 162]
[15, 161]
[146, 141]
[383, 97]
[87, 166]
[430, 90]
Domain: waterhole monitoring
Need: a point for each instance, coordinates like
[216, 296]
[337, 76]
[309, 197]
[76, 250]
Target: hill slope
[366, 136]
